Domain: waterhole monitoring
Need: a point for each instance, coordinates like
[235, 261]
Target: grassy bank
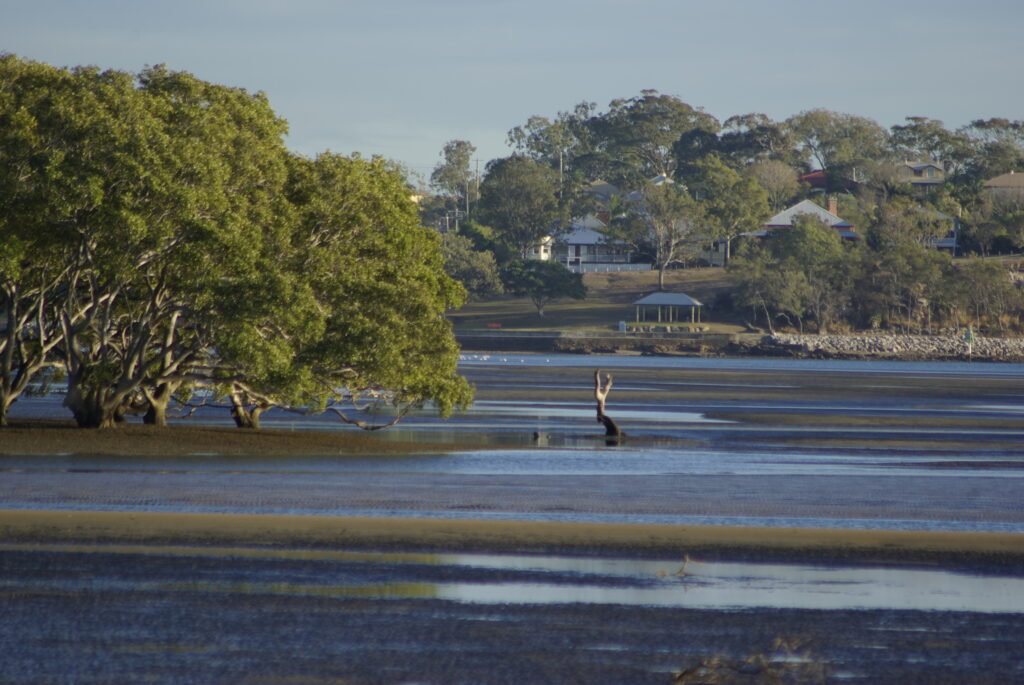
[609, 300]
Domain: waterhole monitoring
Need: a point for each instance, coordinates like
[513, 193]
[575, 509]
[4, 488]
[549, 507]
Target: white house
[586, 245]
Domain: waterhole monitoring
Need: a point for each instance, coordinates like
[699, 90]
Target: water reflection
[722, 585]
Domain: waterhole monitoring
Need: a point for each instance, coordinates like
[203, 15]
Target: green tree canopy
[519, 199]
[476, 270]
[733, 203]
[179, 245]
[638, 135]
[542, 282]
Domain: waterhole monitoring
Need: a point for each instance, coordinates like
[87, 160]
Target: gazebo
[665, 308]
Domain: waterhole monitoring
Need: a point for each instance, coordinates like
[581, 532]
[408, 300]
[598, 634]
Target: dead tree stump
[601, 390]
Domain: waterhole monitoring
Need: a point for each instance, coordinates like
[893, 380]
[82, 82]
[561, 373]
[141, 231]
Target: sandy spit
[40, 526]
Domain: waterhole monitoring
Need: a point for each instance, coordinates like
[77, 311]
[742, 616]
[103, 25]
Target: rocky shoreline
[889, 347]
[881, 346]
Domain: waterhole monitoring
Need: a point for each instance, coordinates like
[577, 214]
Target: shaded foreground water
[929, 447]
[132, 613]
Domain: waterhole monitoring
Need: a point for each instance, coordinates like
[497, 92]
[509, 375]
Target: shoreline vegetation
[594, 326]
[52, 527]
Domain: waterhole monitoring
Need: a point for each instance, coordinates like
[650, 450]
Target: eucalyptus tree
[454, 177]
[519, 200]
[779, 180]
[986, 295]
[665, 222]
[997, 146]
[769, 287]
[750, 138]
[560, 143]
[923, 138]
[733, 203]
[475, 269]
[815, 250]
[639, 135]
[840, 144]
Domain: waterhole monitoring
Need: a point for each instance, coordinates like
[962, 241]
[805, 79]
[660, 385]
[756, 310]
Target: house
[543, 250]
[819, 181]
[1008, 186]
[922, 174]
[586, 245]
[785, 219]
[717, 255]
[602, 191]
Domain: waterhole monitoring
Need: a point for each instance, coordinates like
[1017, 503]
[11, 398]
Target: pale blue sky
[399, 78]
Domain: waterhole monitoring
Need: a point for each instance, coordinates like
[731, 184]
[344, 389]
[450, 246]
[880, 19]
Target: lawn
[609, 300]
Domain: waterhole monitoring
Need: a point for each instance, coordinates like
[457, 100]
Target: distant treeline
[668, 180]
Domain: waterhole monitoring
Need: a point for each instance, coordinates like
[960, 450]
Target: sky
[400, 78]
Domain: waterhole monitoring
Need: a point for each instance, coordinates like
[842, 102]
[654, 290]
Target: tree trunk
[157, 403]
[246, 418]
[156, 414]
[243, 416]
[91, 410]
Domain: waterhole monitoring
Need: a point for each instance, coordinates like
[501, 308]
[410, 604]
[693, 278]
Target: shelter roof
[668, 299]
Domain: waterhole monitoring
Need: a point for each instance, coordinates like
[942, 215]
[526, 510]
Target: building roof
[581, 235]
[585, 231]
[786, 217]
[819, 179]
[668, 299]
[603, 190]
[1010, 180]
[917, 166]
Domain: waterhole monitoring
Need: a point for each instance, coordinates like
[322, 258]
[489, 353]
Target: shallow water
[537, 456]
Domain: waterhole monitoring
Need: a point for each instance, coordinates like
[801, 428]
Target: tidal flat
[493, 545]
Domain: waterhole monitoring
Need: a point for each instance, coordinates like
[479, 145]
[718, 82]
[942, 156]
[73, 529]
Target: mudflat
[39, 436]
[129, 597]
[483, 535]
